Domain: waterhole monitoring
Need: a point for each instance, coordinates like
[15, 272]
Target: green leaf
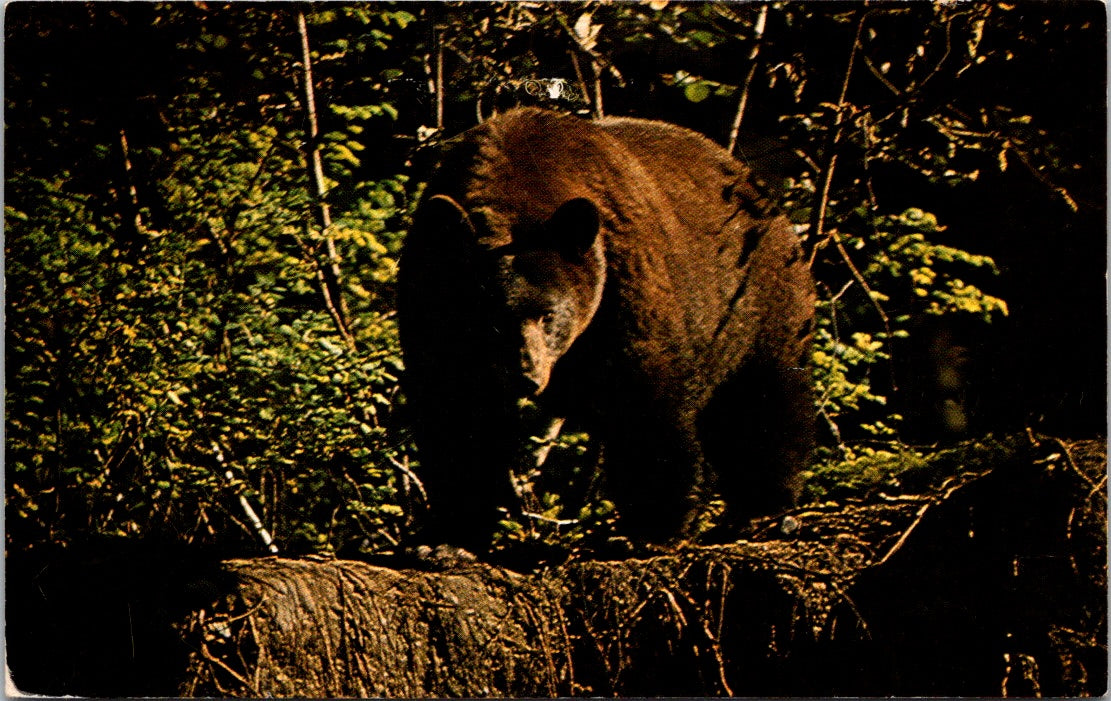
[697, 92]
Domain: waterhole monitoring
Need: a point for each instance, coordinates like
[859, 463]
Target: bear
[623, 272]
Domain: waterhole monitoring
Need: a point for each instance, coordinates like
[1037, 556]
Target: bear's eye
[546, 319]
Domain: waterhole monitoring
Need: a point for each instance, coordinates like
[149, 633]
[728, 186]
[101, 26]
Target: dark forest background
[200, 331]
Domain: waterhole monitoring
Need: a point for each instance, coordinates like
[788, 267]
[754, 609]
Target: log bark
[984, 575]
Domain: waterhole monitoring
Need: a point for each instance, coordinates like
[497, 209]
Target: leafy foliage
[858, 470]
[197, 363]
[171, 348]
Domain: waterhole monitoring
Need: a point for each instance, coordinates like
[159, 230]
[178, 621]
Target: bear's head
[539, 292]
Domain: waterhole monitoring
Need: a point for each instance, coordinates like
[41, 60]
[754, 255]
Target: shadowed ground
[986, 577]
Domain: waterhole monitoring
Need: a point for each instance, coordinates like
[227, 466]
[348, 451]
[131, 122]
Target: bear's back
[683, 229]
[529, 160]
[738, 263]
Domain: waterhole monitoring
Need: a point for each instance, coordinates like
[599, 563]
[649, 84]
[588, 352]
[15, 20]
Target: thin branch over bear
[622, 272]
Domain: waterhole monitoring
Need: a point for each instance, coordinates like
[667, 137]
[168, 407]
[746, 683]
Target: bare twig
[439, 78]
[881, 77]
[742, 103]
[549, 519]
[1076, 468]
[1041, 177]
[852, 607]
[408, 474]
[944, 57]
[818, 218]
[252, 516]
[947, 490]
[540, 454]
[223, 665]
[859, 277]
[725, 587]
[132, 193]
[906, 534]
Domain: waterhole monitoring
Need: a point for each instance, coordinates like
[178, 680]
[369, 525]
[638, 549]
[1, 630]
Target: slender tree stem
[742, 103]
[329, 275]
[597, 62]
[818, 218]
[817, 224]
[582, 81]
[132, 193]
[597, 68]
[439, 78]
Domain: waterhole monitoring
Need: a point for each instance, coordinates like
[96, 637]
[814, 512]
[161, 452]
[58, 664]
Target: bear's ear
[444, 213]
[574, 227]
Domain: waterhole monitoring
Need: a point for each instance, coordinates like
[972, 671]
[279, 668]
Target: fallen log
[985, 575]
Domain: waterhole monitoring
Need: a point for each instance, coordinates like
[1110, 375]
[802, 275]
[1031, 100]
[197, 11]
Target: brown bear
[624, 272]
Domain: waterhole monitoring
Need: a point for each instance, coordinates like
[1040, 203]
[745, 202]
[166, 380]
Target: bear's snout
[536, 364]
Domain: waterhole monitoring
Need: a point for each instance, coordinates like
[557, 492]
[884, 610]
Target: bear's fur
[623, 272]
